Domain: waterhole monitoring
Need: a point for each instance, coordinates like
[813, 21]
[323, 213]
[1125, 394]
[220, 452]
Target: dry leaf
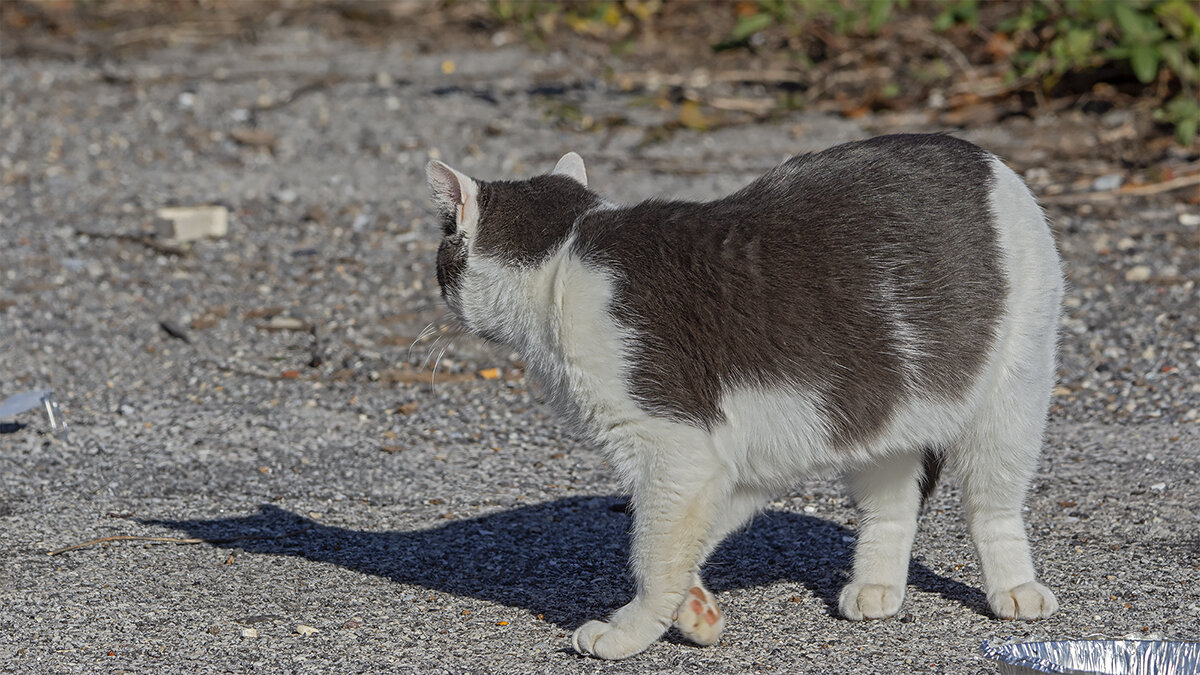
[253, 137]
[691, 117]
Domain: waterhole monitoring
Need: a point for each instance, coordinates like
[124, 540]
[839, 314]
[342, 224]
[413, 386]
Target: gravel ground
[457, 527]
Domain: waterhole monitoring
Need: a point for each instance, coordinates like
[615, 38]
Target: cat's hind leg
[888, 497]
[995, 462]
[998, 452]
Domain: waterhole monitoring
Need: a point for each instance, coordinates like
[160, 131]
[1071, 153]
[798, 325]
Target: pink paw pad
[699, 618]
[703, 606]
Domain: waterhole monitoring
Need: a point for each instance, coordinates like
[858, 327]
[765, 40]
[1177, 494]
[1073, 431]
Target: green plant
[1159, 40]
[957, 11]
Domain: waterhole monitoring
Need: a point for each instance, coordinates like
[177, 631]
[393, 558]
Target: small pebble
[1138, 273]
[1110, 182]
[249, 633]
[305, 630]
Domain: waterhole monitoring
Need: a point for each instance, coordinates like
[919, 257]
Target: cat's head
[498, 225]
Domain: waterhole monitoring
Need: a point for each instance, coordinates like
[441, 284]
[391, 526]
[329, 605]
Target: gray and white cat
[877, 308]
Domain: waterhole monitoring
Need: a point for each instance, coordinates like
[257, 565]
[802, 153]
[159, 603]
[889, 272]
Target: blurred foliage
[606, 19]
[1039, 41]
[1158, 40]
[864, 16]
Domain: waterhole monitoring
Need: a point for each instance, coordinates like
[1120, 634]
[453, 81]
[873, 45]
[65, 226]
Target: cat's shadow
[564, 559]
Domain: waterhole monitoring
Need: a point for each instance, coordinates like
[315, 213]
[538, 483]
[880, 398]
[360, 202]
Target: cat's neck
[556, 315]
[520, 307]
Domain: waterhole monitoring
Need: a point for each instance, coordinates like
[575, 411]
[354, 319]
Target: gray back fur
[864, 273]
[800, 278]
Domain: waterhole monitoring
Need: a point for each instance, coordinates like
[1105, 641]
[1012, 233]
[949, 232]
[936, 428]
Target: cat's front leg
[673, 515]
[629, 631]
[699, 617]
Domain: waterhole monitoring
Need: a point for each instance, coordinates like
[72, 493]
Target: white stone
[1106, 183]
[285, 323]
[189, 223]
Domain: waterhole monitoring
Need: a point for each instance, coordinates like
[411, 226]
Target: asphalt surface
[457, 527]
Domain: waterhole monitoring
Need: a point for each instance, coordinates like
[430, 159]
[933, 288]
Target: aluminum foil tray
[1091, 657]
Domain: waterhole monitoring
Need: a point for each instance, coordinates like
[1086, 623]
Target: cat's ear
[455, 194]
[571, 166]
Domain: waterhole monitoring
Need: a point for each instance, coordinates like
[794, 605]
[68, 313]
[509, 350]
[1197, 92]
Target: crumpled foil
[1096, 657]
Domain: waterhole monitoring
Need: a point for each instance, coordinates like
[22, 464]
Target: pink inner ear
[453, 187]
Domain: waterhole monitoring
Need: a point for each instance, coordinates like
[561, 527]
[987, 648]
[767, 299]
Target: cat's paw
[870, 601]
[1028, 601]
[609, 641]
[699, 618]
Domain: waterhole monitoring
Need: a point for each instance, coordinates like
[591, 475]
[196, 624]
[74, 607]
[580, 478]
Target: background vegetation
[1149, 48]
[980, 60]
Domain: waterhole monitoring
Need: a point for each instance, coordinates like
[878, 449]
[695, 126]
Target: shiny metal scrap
[39, 398]
[1091, 657]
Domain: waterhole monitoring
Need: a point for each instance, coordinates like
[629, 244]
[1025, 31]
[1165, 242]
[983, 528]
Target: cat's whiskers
[433, 373]
[449, 331]
[433, 347]
[428, 330]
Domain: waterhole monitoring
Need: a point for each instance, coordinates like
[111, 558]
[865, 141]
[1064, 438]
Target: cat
[878, 308]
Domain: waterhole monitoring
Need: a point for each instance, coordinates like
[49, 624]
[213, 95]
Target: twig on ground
[175, 540]
[311, 87]
[1163, 186]
[1134, 191]
[240, 371]
[147, 240]
[701, 79]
